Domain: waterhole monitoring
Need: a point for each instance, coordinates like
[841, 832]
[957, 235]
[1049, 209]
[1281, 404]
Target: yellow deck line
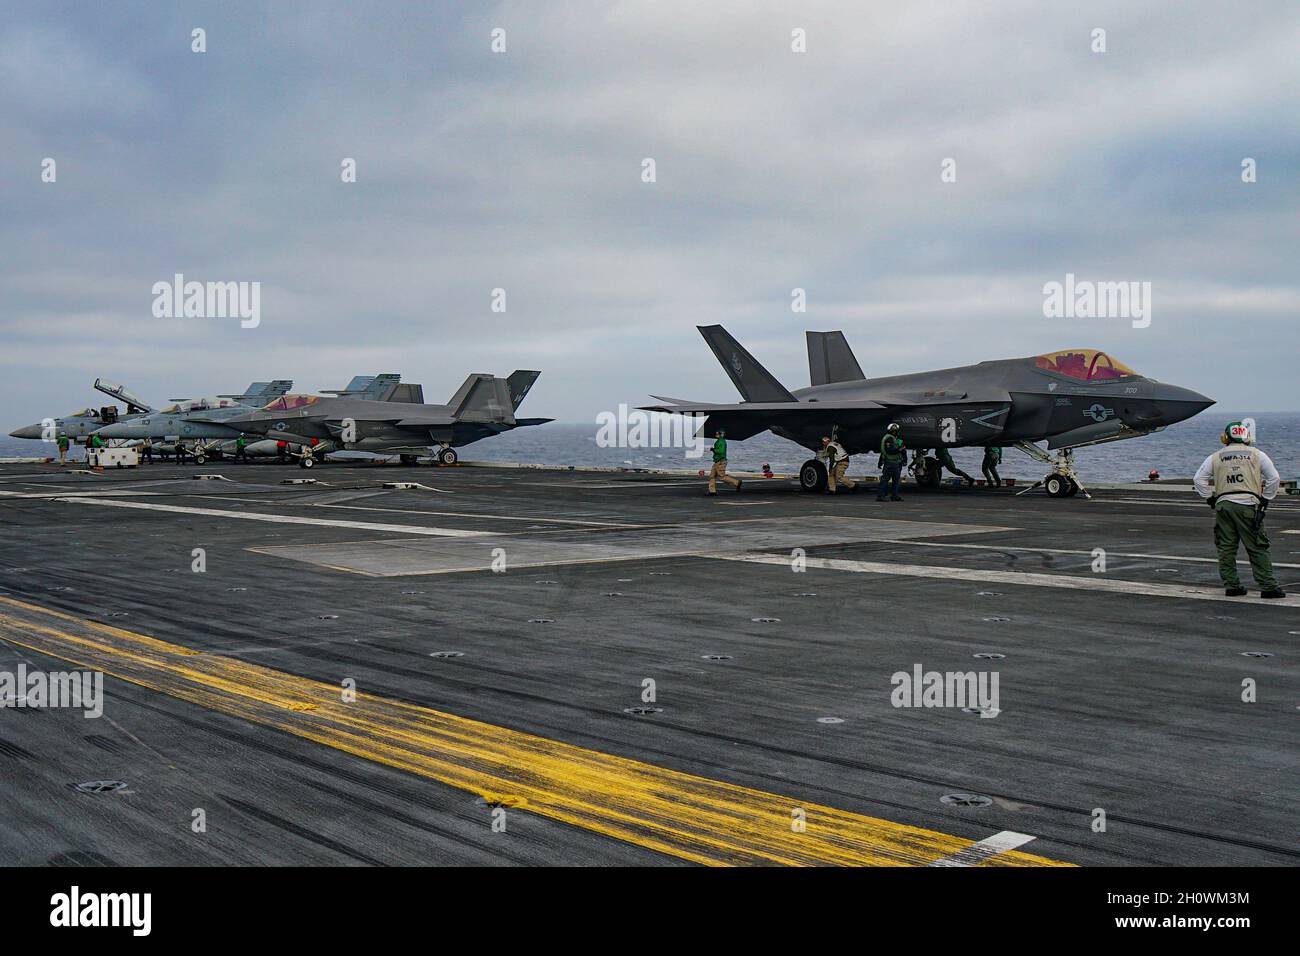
[695, 818]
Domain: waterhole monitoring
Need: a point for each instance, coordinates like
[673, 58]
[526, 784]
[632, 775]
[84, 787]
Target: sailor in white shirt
[1239, 480]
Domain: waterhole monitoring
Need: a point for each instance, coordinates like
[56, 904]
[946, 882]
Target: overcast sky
[523, 170]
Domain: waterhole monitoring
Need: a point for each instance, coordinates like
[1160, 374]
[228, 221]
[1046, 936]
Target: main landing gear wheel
[307, 461]
[448, 456]
[1060, 486]
[812, 476]
[200, 459]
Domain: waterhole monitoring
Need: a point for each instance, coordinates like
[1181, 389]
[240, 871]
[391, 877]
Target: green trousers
[1235, 524]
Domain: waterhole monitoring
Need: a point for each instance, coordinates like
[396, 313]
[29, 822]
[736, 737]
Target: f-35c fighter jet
[484, 405]
[1070, 398]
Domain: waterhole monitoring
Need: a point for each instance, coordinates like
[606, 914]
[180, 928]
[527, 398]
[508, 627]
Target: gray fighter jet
[1071, 398]
[483, 406]
[199, 420]
[80, 425]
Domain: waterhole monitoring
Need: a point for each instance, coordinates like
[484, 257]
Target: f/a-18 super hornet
[198, 422]
[204, 424]
[483, 406]
[80, 425]
[1070, 399]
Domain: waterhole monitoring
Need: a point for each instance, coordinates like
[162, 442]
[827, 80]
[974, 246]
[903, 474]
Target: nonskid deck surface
[550, 598]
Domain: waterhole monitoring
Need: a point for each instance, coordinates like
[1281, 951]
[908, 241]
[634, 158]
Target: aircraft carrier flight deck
[516, 665]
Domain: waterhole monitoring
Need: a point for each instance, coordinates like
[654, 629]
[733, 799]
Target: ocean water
[1176, 452]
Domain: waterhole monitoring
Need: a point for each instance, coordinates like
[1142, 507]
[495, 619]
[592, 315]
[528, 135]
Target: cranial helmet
[893, 426]
[1236, 432]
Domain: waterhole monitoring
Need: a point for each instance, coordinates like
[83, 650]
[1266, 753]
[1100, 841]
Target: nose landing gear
[1062, 481]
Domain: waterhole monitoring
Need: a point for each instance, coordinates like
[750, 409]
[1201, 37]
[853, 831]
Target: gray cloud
[775, 170]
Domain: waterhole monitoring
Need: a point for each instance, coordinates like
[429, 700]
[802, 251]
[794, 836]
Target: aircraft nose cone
[1178, 404]
[27, 431]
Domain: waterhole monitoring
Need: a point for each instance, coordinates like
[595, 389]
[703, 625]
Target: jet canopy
[1087, 365]
[198, 405]
[287, 403]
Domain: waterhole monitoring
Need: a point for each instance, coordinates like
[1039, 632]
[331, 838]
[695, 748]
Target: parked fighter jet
[83, 423]
[1070, 398]
[204, 423]
[200, 421]
[484, 405]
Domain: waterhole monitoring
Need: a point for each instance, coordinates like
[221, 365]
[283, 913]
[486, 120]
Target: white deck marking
[981, 851]
[1094, 582]
[1109, 554]
[287, 519]
[476, 514]
[106, 493]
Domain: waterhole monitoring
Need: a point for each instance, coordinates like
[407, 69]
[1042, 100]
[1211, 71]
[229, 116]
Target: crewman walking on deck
[180, 452]
[945, 461]
[146, 448]
[893, 453]
[1239, 481]
[837, 464]
[62, 442]
[719, 470]
[241, 444]
[989, 466]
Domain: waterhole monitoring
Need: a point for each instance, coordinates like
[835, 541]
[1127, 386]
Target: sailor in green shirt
[945, 461]
[63, 449]
[992, 458]
[241, 444]
[893, 452]
[719, 470]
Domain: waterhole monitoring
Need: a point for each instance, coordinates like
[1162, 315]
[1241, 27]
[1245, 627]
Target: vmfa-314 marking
[483, 406]
[1069, 399]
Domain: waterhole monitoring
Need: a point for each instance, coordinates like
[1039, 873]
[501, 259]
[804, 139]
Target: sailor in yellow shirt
[837, 463]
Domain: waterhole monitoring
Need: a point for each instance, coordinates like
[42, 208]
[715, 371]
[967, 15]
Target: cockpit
[1087, 365]
[107, 414]
[287, 403]
[197, 405]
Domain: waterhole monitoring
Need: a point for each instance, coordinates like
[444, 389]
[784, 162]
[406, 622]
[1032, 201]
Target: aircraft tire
[812, 476]
[1074, 489]
[1057, 486]
[307, 461]
[448, 456]
[200, 459]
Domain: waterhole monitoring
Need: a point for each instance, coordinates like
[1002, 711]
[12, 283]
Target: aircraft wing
[747, 419]
[758, 408]
[433, 421]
